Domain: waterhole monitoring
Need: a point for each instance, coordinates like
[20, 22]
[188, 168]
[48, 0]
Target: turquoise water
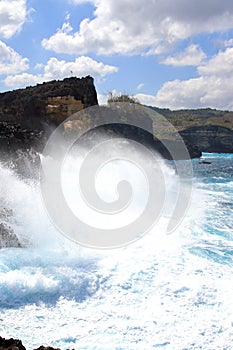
[162, 292]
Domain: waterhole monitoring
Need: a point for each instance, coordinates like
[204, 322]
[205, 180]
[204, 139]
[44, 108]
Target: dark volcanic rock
[11, 344]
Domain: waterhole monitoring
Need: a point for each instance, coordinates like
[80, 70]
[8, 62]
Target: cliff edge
[27, 117]
[50, 102]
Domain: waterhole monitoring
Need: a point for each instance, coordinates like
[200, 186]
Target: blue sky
[176, 54]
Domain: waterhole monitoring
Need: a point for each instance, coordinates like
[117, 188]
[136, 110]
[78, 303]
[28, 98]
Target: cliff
[27, 117]
[206, 130]
[209, 138]
[51, 102]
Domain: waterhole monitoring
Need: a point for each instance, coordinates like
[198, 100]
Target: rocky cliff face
[51, 102]
[27, 117]
[209, 138]
[207, 130]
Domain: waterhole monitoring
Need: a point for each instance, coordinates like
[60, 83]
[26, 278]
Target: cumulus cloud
[213, 88]
[59, 69]
[10, 61]
[13, 15]
[219, 65]
[191, 56]
[136, 27]
[81, 66]
[22, 80]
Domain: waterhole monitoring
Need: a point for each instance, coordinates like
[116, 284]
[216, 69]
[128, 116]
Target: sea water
[170, 292]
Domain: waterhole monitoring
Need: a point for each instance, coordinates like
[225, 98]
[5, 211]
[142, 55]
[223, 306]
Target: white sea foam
[169, 292]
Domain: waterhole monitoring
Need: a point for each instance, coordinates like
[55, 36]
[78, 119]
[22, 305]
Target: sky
[167, 53]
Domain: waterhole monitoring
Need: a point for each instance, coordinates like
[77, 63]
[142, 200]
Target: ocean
[171, 292]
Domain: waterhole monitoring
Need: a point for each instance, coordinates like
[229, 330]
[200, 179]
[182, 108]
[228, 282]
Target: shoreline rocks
[11, 344]
[16, 344]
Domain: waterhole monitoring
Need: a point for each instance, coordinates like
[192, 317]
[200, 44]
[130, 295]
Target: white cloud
[140, 86]
[22, 80]
[81, 66]
[13, 15]
[148, 100]
[219, 65]
[228, 43]
[136, 27]
[191, 56]
[177, 94]
[10, 61]
[55, 69]
[213, 88]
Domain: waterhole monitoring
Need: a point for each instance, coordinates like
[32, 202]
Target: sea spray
[162, 291]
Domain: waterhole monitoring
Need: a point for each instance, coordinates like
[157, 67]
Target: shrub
[113, 97]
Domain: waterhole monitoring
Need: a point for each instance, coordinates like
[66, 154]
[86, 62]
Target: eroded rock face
[28, 116]
[52, 102]
[209, 138]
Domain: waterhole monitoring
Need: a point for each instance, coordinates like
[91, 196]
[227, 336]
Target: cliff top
[80, 88]
[49, 103]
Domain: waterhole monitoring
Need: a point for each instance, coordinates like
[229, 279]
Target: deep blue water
[162, 292]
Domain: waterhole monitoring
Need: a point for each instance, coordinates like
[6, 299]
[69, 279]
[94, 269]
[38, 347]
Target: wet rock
[8, 239]
[11, 344]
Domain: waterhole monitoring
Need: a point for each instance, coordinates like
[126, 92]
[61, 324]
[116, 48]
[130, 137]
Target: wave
[167, 291]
